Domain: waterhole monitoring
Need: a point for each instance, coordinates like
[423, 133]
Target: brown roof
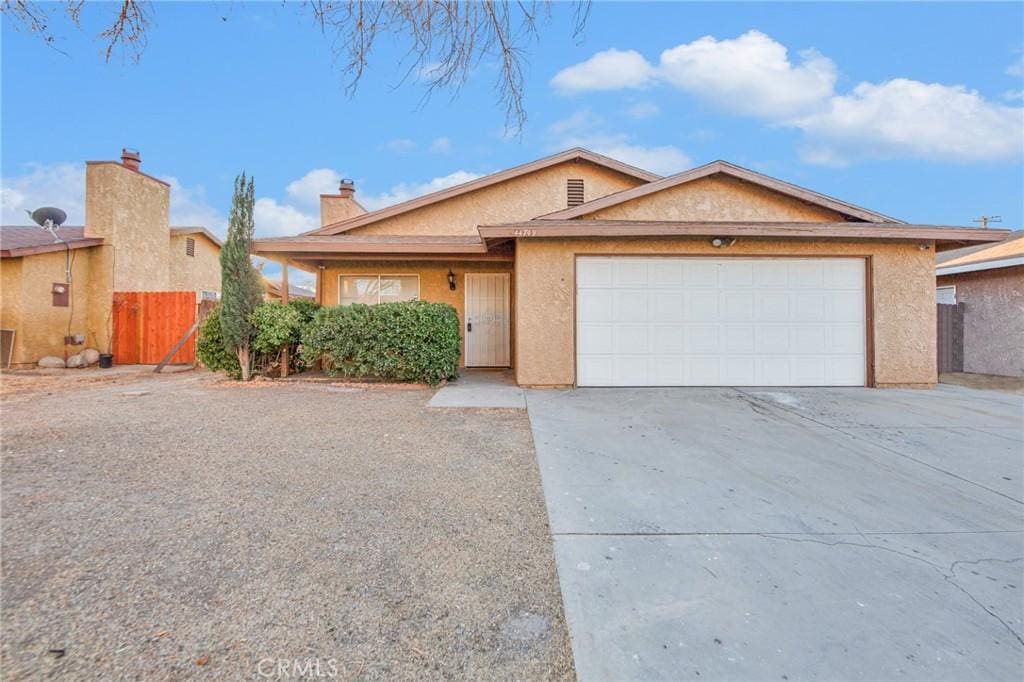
[180, 231]
[358, 243]
[575, 154]
[945, 237]
[1011, 247]
[28, 240]
[725, 168]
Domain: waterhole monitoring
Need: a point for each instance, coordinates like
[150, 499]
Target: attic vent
[190, 246]
[574, 192]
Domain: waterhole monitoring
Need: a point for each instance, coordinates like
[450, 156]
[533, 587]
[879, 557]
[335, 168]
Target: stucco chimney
[341, 206]
[130, 158]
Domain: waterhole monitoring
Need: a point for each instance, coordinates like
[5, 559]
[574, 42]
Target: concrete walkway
[481, 388]
[839, 534]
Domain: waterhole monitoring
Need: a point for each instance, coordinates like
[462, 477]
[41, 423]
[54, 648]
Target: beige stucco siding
[433, 280]
[40, 327]
[902, 281]
[521, 198]
[993, 319]
[193, 273]
[717, 198]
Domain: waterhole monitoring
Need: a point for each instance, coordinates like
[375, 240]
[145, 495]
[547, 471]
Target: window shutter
[190, 246]
[574, 192]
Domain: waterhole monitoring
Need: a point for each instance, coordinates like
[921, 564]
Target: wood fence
[147, 324]
[950, 331]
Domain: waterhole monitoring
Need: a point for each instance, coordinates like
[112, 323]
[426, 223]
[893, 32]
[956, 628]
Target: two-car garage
[705, 321]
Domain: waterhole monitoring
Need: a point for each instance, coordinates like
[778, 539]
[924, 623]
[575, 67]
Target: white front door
[487, 320]
[720, 322]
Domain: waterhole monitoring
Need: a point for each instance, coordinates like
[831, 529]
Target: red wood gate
[147, 324]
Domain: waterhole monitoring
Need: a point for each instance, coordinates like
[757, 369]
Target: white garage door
[719, 322]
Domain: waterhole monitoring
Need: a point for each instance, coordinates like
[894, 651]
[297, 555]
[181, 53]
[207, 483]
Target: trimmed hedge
[407, 341]
[276, 325]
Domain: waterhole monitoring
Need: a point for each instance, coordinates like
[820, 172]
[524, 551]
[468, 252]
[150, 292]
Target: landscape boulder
[51, 362]
[91, 355]
[76, 361]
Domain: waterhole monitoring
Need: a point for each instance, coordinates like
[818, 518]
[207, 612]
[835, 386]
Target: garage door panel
[713, 322]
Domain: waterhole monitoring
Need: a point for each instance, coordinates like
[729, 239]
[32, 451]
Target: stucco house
[581, 270]
[53, 288]
[986, 283]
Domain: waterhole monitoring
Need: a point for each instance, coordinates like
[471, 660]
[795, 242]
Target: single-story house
[580, 270]
[986, 282]
[57, 289]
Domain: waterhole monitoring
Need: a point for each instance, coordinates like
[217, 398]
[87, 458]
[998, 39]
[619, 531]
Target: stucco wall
[717, 198]
[433, 281]
[40, 327]
[993, 319]
[193, 273]
[335, 208]
[522, 198]
[902, 277]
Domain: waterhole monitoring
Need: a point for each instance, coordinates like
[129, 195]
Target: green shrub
[408, 341]
[212, 350]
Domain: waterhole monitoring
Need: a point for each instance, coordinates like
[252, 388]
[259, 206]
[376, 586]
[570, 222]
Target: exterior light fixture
[722, 242]
[451, 280]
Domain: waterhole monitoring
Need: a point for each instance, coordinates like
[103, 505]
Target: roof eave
[22, 251]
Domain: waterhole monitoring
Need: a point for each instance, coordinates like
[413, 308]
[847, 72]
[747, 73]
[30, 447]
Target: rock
[91, 355]
[76, 361]
[51, 362]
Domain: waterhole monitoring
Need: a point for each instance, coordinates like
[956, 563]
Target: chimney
[130, 158]
[341, 206]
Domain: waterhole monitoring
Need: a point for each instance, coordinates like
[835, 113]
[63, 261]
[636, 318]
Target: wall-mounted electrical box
[61, 294]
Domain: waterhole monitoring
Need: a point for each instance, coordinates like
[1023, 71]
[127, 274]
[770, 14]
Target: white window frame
[379, 276]
[946, 287]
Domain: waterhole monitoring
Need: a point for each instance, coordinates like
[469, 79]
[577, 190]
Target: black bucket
[106, 360]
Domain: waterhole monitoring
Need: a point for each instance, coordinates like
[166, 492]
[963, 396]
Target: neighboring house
[577, 269]
[52, 289]
[272, 291]
[988, 281]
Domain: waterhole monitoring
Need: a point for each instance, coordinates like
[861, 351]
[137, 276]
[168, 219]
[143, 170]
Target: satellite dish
[48, 214]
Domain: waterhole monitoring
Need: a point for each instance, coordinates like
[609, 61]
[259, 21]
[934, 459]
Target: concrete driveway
[831, 534]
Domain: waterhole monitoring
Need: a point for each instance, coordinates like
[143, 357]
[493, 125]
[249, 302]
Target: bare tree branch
[446, 40]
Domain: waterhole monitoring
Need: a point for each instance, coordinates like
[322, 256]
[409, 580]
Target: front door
[488, 312]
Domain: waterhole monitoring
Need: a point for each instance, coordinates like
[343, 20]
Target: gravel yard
[184, 526]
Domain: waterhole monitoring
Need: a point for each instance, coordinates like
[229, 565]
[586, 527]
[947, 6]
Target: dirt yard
[163, 527]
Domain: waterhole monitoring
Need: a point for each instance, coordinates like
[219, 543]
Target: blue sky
[913, 110]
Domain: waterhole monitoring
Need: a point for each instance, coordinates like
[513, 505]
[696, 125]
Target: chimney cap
[131, 158]
[347, 187]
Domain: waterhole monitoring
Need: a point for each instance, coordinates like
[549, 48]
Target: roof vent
[130, 158]
[574, 192]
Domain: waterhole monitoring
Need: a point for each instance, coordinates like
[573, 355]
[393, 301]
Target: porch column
[284, 299]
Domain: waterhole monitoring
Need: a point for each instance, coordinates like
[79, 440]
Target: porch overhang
[944, 237]
[324, 248]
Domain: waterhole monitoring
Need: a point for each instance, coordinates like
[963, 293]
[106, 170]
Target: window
[946, 295]
[371, 289]
[190, 247]
[208, 295]
[574, 192]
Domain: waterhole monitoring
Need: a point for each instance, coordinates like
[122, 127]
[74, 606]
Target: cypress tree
[240, 285]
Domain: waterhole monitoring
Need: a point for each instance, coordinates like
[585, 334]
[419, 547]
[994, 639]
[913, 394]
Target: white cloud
[59, 184]
[609, 70]
[1013, 95]
[189, 208]
[643, 109]
[405, 191]
[904, 117]
[586, 129]
[441, 145]
[751, 74]
[1016, 68]
[306, 190]
[400, 145]
[273, 219]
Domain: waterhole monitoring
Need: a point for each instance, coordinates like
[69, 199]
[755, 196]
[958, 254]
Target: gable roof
[28, 240]
[182, 231]
[1004, 254]
[850, 211]
[575, 154]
